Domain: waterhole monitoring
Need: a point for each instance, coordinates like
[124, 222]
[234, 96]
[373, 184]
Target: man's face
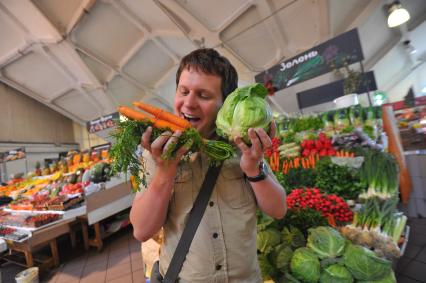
[198, 99]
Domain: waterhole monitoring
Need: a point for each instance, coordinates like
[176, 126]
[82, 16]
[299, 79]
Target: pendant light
[397, 15]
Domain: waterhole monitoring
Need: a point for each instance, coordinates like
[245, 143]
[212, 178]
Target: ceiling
[83, 58]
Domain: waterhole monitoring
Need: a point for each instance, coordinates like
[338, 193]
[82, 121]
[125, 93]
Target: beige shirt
[224, 246]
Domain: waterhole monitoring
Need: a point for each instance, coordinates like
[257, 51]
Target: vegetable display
[380, 173]
[327, 257]
[244, 108]
[328, 205]
[340, 180]
[128, 135]
[378, 226]
[342, 195]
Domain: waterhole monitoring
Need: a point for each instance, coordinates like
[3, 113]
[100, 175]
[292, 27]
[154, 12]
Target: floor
[411, 268]
[120, 261]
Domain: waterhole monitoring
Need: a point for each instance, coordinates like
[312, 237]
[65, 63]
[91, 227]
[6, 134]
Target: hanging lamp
[397, 14]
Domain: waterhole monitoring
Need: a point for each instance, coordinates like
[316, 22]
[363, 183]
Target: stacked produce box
[342, 223]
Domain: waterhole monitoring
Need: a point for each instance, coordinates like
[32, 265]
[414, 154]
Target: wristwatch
[263, 173]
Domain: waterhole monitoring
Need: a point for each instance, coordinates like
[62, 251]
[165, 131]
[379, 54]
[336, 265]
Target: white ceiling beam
[201, 36]
[356, 20]
[40, 99]
[136, 83]
[85, 6]
[146, 29]
[277, 32]
[324, 21]
[385, 49]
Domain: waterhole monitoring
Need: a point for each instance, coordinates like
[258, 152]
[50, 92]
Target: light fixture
[409, 47]
[424, 89]
[397, 15]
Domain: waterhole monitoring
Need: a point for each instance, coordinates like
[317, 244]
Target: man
[224, 246]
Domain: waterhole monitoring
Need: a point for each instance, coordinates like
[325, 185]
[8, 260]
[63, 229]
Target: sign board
[331, 91]
[334, 53]
[102, 123]
[13, 154]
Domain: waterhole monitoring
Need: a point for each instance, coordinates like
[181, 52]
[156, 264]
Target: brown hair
[209, 61]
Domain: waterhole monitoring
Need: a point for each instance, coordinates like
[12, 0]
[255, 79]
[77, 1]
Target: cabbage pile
[244, 108]
[327, 258]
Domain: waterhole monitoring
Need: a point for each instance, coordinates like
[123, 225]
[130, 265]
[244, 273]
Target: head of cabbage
[305, 265]
[244, 108]
[326, 242]
[364, 265]
[336, 273]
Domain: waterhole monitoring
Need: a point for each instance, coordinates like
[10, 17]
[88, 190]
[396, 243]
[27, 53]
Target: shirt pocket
[182, 198]
[234, 189]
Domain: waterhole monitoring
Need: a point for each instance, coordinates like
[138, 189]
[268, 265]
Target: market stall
[343, 189]
[75, 194]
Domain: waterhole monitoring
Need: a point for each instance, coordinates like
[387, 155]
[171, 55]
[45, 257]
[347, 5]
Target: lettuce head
[244, 108]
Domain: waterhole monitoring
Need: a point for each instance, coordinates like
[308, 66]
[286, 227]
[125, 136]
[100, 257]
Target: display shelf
[100, 205]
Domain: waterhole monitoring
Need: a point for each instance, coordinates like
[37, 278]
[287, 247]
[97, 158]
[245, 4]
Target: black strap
[195, 216]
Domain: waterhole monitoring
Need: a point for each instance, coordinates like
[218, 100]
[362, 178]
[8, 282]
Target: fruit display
[39, 220]
[33, 220]
[12, 234]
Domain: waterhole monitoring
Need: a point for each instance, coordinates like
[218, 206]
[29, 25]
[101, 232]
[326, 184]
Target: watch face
[263, 168]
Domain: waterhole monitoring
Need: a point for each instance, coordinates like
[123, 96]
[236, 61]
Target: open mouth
[190, 118]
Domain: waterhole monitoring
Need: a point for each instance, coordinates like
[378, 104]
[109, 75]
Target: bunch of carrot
[306, 163]
[343, 153]
[274, 161]
[127, 137]
[161, 119]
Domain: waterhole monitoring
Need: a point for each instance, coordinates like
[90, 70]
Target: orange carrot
[135, 115]
[164, 124]
[311, 160]
[284, 166]
[163, 115]
[331, 220]
[139, 116]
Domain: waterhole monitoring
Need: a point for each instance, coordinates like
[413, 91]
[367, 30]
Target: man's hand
[253, 155]
[160, 146]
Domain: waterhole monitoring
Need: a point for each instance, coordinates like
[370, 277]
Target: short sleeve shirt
[224, 246]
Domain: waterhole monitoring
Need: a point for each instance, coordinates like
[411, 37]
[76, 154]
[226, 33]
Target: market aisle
[412, 266]
[120, 261]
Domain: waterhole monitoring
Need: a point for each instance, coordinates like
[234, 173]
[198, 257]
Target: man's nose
[190, 100]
